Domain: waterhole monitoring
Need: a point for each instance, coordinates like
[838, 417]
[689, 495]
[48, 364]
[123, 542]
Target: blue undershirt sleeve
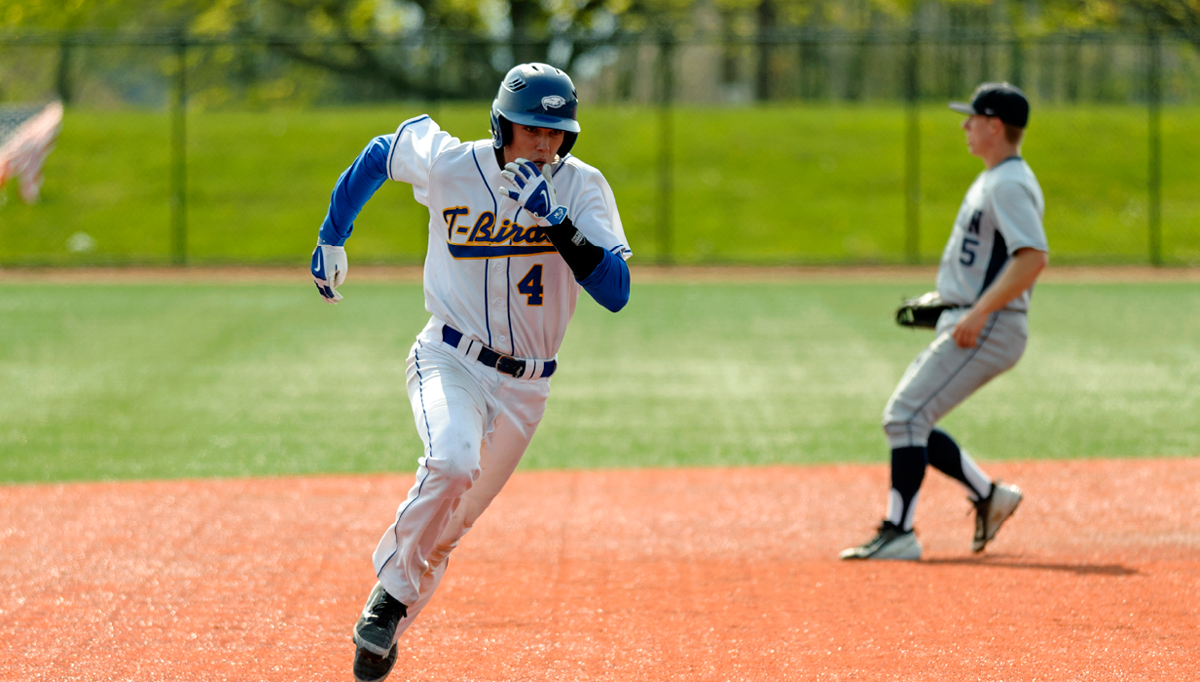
[609, 282]
[354, 187]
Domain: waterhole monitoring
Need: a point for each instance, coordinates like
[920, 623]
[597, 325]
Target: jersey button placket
[498, 291]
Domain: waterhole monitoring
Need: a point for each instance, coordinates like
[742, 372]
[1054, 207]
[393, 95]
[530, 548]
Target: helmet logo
[553, 101]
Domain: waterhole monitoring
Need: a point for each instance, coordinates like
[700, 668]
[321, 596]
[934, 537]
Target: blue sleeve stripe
[609, 282]
[356, 185]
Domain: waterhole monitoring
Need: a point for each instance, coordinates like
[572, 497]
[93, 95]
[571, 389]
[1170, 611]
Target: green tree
[375, 42]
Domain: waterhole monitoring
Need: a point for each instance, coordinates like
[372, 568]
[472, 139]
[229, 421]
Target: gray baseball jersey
[1001, 213]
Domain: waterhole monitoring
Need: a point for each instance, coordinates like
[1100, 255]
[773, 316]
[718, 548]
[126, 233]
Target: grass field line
[641, 274]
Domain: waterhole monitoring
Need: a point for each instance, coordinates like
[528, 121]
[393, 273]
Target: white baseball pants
[475, 423]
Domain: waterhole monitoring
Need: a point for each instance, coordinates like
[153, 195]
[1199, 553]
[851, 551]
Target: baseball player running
[996, 251]
[517, 227]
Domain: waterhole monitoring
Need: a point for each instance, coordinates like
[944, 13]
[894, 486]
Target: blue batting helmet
[537, 95]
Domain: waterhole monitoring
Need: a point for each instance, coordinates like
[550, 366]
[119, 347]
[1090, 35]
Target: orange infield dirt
[614, 575]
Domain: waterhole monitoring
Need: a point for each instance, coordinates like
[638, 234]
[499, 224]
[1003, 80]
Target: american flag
[23, 150]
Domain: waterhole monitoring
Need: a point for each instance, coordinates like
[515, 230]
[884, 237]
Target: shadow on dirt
[1002, 562]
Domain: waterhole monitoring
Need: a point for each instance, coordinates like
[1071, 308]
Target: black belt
[502, 363]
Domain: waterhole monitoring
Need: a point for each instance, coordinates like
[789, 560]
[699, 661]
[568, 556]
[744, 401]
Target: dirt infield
[614, 575]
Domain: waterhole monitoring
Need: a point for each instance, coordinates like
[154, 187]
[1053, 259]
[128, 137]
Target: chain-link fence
[798, 147]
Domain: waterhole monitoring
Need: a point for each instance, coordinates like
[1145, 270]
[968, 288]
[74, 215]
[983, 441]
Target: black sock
[908, 470]
[946, 457]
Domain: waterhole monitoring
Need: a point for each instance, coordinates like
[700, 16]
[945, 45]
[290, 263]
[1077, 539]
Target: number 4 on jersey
[531, 286]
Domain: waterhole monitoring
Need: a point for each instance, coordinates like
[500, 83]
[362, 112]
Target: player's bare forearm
[1020, 274]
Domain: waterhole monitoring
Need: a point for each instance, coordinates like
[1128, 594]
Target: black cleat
[371, 668]
[375, 631]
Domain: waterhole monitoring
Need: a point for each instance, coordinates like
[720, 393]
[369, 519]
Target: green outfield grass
[779, 184]
[126, 381]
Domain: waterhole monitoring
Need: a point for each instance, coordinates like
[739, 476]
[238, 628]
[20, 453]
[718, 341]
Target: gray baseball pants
[944, 375]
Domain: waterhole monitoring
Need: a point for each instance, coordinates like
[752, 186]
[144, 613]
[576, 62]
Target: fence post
[912, 152]
[179, 154]
[1017, 61]
[666, 144]
[62, 81]
[1154, 181]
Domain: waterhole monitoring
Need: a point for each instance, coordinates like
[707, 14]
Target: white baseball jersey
[492, 275]
[490, 272]
[1001, 213]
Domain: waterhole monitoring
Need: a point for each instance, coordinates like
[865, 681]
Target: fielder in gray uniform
[996, 251]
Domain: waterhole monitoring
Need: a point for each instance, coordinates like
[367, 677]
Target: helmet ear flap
[501, 130]
[567, 143]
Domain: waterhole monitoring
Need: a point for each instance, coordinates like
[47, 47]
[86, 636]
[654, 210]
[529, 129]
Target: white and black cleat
[992, 511]
[891, 542]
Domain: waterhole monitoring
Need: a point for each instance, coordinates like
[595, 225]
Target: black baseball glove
[921, 311]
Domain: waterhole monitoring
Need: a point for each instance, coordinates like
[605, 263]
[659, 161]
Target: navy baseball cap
[1005, 102]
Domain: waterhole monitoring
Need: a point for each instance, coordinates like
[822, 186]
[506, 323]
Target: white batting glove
[535, 192]
[329, 266]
